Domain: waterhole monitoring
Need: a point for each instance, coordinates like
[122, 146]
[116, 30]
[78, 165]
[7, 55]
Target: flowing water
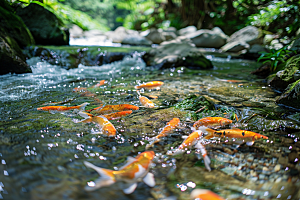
[42, 153]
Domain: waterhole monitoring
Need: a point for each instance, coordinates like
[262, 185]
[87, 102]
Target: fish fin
[152, 141]
[96, 132]
[100, 182]
[207, 162]
[130, 189]
[209, 131]
[184, 137]
[107, 177]
[85, 115]
[82, 106]
[128, 162]
[250, 143]
[149, 179]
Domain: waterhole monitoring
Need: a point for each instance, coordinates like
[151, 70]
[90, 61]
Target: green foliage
[278, 16]
[69, 15]
[275, 57]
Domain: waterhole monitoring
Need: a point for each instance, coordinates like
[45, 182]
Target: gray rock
[235, 46]
[156, 36]
[249, 34]
[92, 33]
[178, 52]
[45, 27]
[187, 30]
[214, 38]
[136, 40]
[76, 31]
[296, 44]
[120, 33]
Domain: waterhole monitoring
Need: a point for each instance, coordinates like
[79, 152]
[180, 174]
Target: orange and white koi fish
[188, 143]
[106, 127]
[202, 194]
[135, 170]
[146, 102]
[233, 133]
[63, 108]
[117, 115]
[111, 108]
[79, 89]
[150, 85]
[171, 125]
[212, 122]
[102, 82]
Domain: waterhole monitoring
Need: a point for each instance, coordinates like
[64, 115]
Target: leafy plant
[274, 57]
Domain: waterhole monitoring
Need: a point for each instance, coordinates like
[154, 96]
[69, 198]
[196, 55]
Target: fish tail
[82, 106]
[88, 118]
[209, 131]
[107, 177]
[152, 142]
[206, 159]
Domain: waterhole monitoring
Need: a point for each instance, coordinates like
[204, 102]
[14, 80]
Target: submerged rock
[45, 27]
[175, 53]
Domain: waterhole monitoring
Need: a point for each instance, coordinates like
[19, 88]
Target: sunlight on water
[44, 76]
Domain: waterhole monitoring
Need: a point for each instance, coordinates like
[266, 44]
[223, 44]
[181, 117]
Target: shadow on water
[42, 154]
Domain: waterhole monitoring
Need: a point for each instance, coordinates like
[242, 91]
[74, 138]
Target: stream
[42, 153]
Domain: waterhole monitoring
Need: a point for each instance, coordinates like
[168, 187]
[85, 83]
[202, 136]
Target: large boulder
[187, 30]
[291, 97]
[214, 38]
[242, 39]
[120, 33]
[13, 34]
[158, 36]
[45, 27]
[175, 53]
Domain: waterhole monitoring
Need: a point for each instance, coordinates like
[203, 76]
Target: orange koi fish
[111, 108]
[146, 102]
[233, 133]
[79, 89]
[188, 143]
[150, 85]
[117, 115]
[171, 125]
[102, 82]
[63, 108]
[204, 195]
[135, 170]
[212, 122]
[106, 127]
[97, 108]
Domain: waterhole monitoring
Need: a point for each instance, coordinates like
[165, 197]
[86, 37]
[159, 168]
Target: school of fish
[137, 169]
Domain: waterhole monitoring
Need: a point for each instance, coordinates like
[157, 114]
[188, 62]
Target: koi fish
[212, 122]
[63, 108]
[150, 85]
[59, 102]
[188, 143]
[171, 125]
[106, 127]
[231, 81]
[97, 108]
[102, 82]
[111, 108]
[79, 89]
[117, 115]
[204, 195]
[233, 133]
[146, 102]
[135, 170]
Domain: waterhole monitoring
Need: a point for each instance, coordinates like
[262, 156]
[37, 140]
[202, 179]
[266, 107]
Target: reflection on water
[42, 154]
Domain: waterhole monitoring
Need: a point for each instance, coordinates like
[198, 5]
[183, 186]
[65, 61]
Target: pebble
[277, 168]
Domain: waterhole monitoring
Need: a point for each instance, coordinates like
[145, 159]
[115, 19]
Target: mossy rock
[291, 97]
[13, 28]
[45, 27]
